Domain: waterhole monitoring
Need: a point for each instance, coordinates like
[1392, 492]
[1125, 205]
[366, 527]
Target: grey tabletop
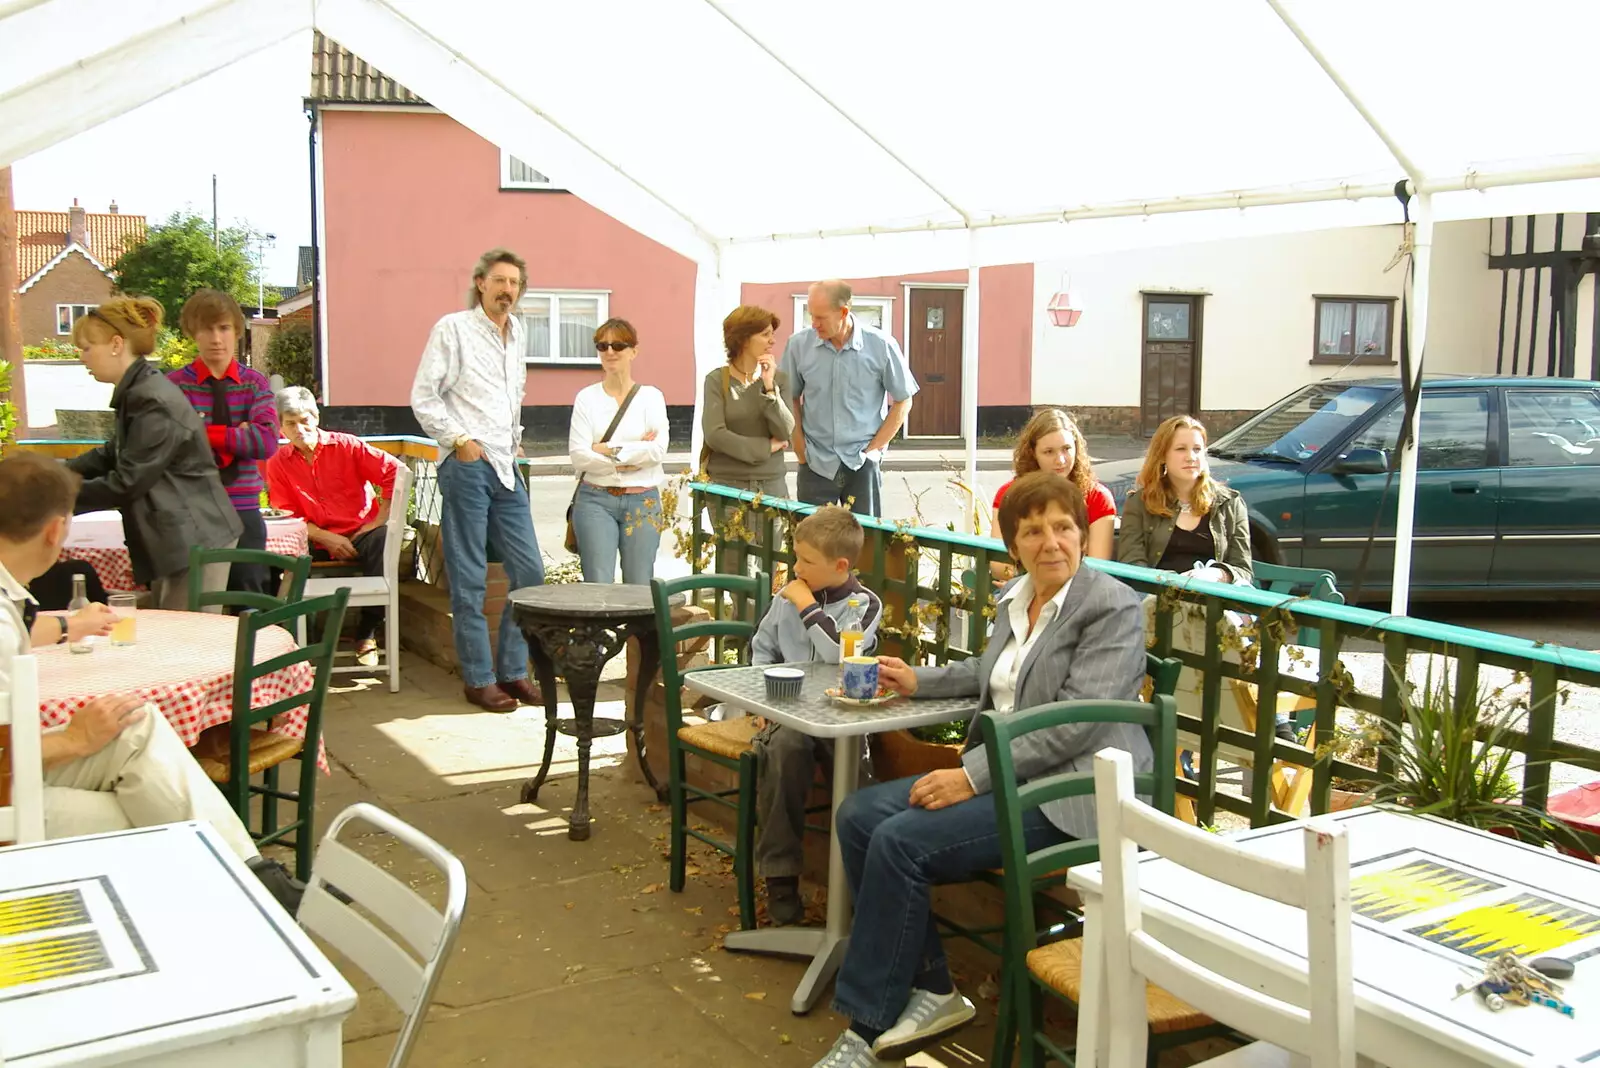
[813, 712]
[583, 599]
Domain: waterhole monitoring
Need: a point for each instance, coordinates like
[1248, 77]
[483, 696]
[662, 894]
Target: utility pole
[215, 241]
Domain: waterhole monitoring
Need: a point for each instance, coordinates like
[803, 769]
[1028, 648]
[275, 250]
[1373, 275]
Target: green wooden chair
[1163, 673]
[725, 743]
[1311, 583]
[233, 759]
[295, 570]
[1032, 968]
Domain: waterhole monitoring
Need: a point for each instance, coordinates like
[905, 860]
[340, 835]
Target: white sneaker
[926, 1016]
[852, 1051]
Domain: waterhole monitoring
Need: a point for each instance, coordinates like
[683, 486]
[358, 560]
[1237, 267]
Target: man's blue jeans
[894, 853]
[477, 510]
[607, 524]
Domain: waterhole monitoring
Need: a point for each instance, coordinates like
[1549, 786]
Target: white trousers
[145, 777]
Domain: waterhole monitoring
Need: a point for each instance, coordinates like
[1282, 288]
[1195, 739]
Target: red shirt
[334, 489]
[1099, 500]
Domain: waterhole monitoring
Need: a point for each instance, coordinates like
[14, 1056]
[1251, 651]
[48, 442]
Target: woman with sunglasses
[618, 505]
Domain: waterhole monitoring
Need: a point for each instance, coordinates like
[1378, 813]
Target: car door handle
[1463, 487]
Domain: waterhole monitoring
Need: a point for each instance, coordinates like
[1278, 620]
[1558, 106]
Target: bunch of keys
[1508, 981]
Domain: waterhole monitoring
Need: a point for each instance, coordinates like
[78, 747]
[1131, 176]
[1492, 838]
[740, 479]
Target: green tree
[289, 354]
[177, 257]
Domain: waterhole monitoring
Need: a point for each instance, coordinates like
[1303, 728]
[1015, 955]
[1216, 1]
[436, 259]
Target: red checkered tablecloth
[97, 540]
[183, 664]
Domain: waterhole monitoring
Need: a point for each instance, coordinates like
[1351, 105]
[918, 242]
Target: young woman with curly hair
[1051, 441]
[1178, 518]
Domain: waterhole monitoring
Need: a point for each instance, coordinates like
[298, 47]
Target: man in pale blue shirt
[852, 389]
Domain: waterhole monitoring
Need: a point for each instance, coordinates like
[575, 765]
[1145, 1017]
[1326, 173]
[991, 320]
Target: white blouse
[592, 412]
[1008, 666]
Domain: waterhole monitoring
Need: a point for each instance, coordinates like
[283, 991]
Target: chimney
[77, 228]
[113, 208]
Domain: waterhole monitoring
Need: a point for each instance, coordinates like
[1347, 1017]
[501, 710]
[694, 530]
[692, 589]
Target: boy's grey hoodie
[787, 636]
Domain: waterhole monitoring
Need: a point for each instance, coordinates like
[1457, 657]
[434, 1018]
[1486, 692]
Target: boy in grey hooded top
[801, 625]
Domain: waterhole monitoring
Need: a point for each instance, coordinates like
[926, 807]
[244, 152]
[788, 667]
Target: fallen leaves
[654, 888]
[756, 995]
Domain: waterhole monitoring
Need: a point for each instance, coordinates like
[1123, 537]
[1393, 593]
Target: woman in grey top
[746, 417]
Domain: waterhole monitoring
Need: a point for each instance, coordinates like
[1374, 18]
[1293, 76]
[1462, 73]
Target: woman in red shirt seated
[1052, 442]
[327, 479]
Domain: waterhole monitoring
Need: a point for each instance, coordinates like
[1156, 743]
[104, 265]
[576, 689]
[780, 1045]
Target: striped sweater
[250, 434]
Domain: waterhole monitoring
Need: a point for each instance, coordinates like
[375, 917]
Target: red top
[1099, 500]
[334, 489]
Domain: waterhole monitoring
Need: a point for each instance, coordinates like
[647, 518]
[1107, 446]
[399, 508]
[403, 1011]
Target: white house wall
[1259, 312]
[1527, 327]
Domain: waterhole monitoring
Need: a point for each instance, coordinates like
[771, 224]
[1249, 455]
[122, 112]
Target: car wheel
[1264, 547]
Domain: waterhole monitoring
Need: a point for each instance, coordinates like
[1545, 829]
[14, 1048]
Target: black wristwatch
[63, 621]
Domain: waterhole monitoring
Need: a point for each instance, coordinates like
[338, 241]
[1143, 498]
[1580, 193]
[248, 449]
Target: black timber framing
[1567, 269]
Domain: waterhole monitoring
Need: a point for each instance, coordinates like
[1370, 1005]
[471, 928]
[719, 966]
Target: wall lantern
[1062, 311]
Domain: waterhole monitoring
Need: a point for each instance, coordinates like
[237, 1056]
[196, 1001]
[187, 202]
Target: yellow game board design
[1410, 888]
[51, 958]
[41, 912]
[1526, 925]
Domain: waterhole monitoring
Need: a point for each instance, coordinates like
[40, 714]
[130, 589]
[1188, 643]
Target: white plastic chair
[1323, 1035]
[367, 591]
[407, 973]
[23, 819]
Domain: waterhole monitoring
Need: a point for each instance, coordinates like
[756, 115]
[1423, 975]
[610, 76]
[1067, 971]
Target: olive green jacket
[1142, 538]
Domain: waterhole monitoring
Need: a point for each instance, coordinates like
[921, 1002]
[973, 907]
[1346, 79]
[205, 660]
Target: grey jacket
[1143, 537]
[159, 472]
[1094, 648]
[788, 636]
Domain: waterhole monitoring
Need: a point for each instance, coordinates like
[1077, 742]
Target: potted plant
[1355, 741]
[1453, 759]
[902, 753]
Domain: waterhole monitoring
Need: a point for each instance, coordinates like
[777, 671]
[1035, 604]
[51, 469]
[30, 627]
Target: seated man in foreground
[327, 479]
[118, 763]
[1060, 633]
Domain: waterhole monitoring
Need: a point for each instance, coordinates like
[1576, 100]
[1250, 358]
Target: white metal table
[1431, 902]
[814, 713]
[157, 946]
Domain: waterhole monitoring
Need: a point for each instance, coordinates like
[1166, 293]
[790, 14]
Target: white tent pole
[1405, 161]
[969, 379]
[1417, 320]
[1572, 169]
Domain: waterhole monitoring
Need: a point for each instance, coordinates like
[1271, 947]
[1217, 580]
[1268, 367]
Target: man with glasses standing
[852, 390]
[468, 397]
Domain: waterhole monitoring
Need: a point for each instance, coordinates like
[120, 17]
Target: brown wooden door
[1170, 358]
[934, 351]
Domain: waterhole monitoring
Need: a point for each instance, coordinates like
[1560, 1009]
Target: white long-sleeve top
[470, 384]
[592, 411]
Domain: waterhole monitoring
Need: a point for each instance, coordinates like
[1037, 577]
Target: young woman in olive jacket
[1177, 518]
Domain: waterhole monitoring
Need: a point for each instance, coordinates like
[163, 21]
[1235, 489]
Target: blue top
[787, 635]
[843, 392]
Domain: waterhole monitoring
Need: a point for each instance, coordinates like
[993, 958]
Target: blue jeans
[894, 854]
[477, 510]
[606, 524]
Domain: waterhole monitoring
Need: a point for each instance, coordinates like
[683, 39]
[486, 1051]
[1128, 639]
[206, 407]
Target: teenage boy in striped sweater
[236, 403]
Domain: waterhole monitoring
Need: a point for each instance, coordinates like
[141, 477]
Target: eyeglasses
[614, 346]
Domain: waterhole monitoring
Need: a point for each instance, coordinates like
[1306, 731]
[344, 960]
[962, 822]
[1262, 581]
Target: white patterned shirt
[470, 384]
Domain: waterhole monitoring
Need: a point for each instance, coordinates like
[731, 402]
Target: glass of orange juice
[126, 606]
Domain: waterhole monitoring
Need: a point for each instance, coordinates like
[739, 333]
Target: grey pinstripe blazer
[1093, 648]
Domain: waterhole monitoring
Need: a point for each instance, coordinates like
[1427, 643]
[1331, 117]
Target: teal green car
[1508, 485]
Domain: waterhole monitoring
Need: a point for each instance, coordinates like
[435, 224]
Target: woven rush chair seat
[267, 749]
[728, 737]
[1060, 966]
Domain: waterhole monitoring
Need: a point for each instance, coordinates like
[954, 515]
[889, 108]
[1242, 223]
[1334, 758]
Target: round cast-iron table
[573, 629]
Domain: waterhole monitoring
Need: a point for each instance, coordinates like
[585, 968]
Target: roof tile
[339, 76]
[41, 235]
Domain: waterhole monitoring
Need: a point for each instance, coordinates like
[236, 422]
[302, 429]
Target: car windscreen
[1302, 424]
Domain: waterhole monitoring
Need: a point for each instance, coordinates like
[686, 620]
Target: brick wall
[72, 281]
[1124, 419]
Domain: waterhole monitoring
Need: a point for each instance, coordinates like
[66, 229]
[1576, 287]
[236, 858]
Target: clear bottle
[80, 601]
[851, 621]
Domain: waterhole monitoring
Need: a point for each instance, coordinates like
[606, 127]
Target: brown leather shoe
[490, 698]
[524, 692]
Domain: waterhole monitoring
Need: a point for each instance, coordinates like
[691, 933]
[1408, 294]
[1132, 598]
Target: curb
[560, 468]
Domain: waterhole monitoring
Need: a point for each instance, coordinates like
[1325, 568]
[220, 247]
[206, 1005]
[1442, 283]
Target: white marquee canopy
[773, 141]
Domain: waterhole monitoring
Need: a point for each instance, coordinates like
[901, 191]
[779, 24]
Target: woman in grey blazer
[1061, 633]
[1177, 518]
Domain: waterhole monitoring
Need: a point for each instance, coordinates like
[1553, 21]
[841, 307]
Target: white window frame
[507, 182]
[802, 316]
[602, 297]
[86, 309]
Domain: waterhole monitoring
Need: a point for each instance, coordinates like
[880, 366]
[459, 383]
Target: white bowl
[783, 682]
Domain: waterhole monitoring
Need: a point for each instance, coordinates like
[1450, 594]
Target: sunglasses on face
[614, 346]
